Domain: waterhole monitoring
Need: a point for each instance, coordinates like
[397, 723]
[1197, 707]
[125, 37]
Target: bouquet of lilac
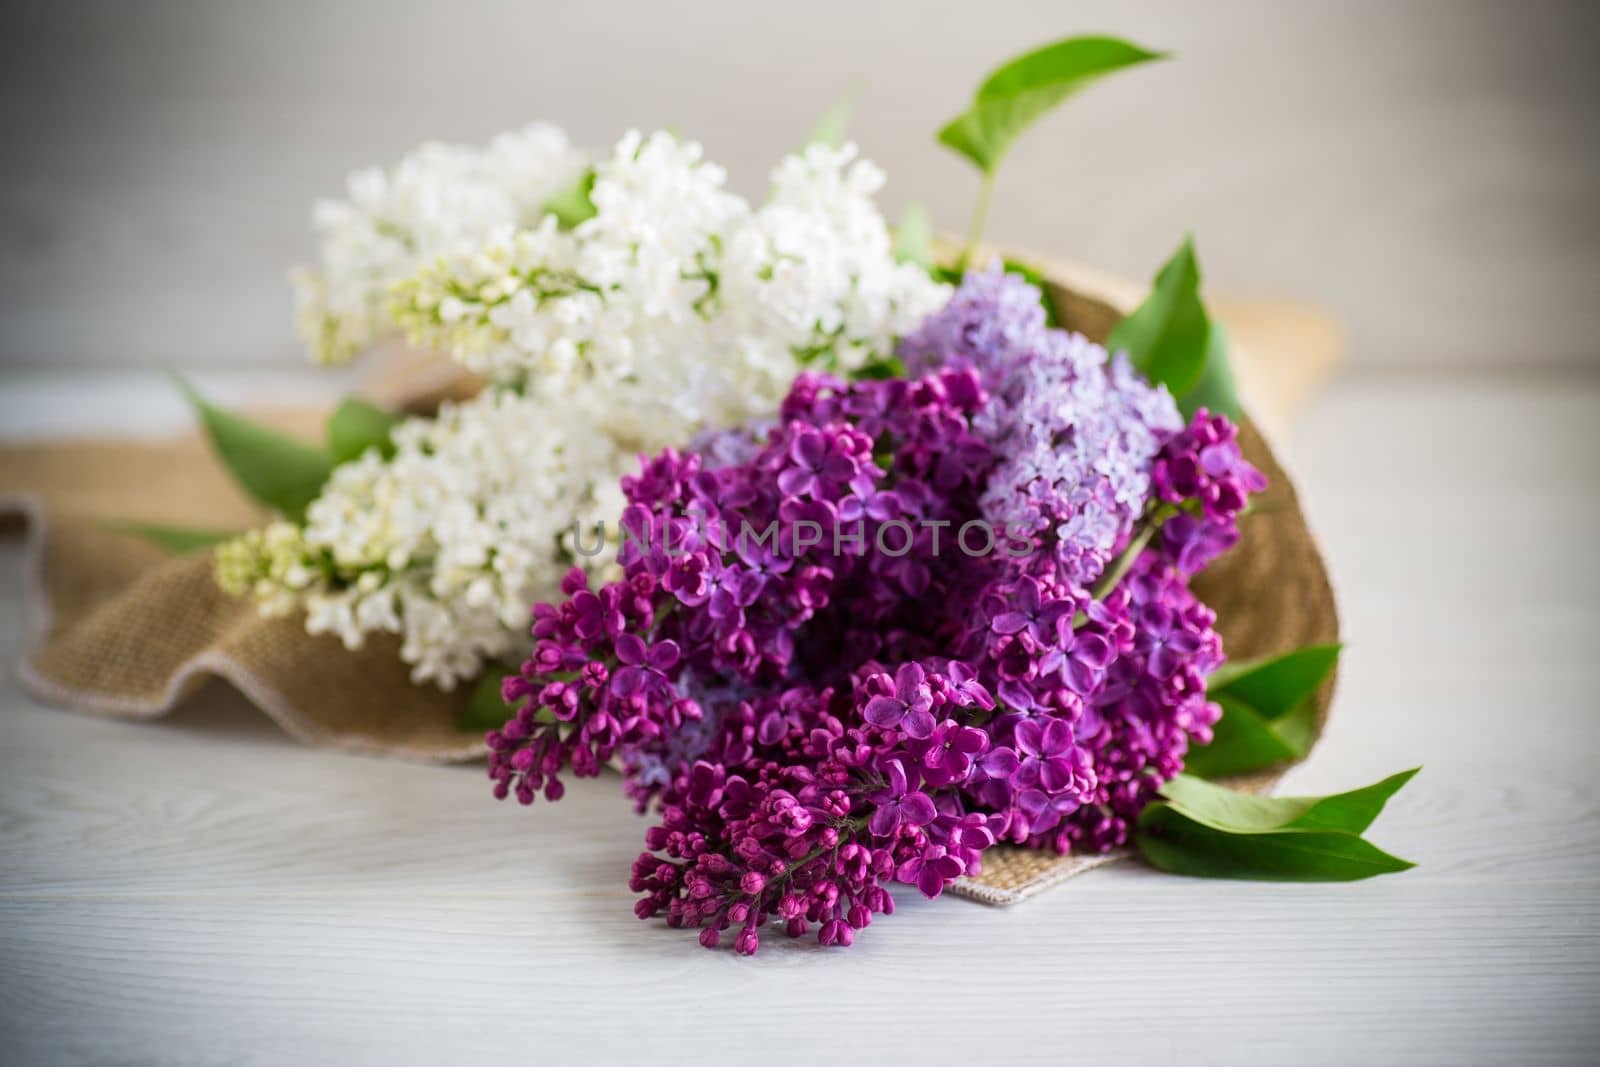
[937, 608]
[904, 575]
[911, 618]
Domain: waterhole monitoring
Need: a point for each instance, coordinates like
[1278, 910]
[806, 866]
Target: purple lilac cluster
[1203, 465]
[814, 718]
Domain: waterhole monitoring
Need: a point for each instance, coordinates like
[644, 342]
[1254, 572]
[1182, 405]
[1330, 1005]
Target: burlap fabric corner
[119, 628]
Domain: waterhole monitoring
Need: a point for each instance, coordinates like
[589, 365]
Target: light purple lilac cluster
[1074, 431]
[816, 717]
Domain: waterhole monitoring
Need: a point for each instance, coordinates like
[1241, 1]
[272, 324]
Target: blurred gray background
[1427, 171]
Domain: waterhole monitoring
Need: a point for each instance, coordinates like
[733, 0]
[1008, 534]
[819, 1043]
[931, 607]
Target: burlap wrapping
[120, 628]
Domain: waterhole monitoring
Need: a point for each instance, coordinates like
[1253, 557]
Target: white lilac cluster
[439, 197]
[674, 307]
[448, 542]
[678, 305]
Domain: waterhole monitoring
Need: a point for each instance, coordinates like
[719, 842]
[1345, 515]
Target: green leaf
[573, 205]
[1167, 336]
[1242, 741]
[1020, 92]
[1171, 842]
[179, 540]
[356, 426]
[913, 238]
[1275, 684]
[1268, 714]
[1205, 830]
[1215, 389]
[1052, 313]
[830, 129]
[276, 470]
[1172, 341]
[1241, 813]
[1072, 62]
[1353, 812]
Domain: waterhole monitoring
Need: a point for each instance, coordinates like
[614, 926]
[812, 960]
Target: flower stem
[1119, 567]
[1124, 562]
[980, 215]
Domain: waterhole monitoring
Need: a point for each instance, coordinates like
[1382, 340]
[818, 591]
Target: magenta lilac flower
[862, 643]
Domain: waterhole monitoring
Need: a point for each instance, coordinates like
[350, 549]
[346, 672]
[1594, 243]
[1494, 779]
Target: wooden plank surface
[205, 890]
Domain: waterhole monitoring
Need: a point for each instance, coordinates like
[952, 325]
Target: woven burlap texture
[120, 628]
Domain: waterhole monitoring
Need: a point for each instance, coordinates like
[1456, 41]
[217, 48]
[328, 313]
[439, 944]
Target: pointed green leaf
[830, 129]
[356, 426]
[179, 540]
[1208, 831]
[276, 470]
[1274, 685]
[1242, 813]
[573, 205]
[1021, 92]
[1215, 389]
[1172, 341]
[1072, 63]
[1171, 842]
[913, 238]
[1166, 337]
[1353, 812]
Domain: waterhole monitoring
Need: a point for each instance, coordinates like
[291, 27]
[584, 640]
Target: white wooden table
[205, 890]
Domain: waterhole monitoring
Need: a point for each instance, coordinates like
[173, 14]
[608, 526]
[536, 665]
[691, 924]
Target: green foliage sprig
[1022, 91]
